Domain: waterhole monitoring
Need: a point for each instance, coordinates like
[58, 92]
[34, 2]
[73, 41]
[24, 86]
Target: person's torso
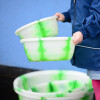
[79, 11]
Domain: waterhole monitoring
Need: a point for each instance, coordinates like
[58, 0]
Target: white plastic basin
[48, 49]
[45, 27]
[23, 83]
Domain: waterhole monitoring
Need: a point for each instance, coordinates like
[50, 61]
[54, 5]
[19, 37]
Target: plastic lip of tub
[47, 39]
[27, 25]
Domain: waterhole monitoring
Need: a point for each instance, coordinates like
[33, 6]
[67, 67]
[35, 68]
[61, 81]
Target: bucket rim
[45, 39]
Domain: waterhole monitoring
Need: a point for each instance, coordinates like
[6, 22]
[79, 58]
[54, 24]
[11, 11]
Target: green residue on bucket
[42, 28]
[20, 35]
[69, 91]
[20, 97]
[60, 95]
[34, 89]
[89, 86]
[86, 97]
[67, 50]
[60, 76]
[74, 84]
[43, 98]
[42, 51]
[24, 82]
[19, 89]
[29, 56]
[52, 87]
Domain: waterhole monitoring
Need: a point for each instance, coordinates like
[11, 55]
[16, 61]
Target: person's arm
[91, 25]
[67, 16]
[63, 17]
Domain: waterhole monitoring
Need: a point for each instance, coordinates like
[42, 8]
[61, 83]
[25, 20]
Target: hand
[60, 16]
[77, 37]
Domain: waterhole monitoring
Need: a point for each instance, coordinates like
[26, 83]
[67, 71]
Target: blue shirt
[85, 17]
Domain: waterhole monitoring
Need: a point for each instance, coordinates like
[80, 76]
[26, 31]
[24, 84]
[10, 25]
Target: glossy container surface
[26, 85]
[49, 49]
[45, 27]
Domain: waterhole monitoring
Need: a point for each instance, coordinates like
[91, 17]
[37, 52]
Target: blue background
[16, 13]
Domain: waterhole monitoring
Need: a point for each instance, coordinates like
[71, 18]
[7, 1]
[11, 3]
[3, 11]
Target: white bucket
[42, 28]
[23, 84]
[49, 49]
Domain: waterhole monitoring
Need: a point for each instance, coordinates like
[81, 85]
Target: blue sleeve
[67, 16]
[91, 25]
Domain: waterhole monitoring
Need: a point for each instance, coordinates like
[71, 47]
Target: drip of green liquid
[43, 98]
[20, 97]
[85, 97]
[34, 89]
[60, 76]
[69, 91]
[19, 89]
[24, 82]
[60, 95]
[67, 49]
[74, 84]
[52, 87]
[42, 51]
[20, 35]
[42, 28]
[89, 86]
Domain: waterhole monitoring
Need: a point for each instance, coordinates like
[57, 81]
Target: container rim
[35, 95]
[46, 39]
[21, 28]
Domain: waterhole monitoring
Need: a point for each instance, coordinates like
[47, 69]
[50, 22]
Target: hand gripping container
[49, 49]
[45, 27]
[26, 86]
